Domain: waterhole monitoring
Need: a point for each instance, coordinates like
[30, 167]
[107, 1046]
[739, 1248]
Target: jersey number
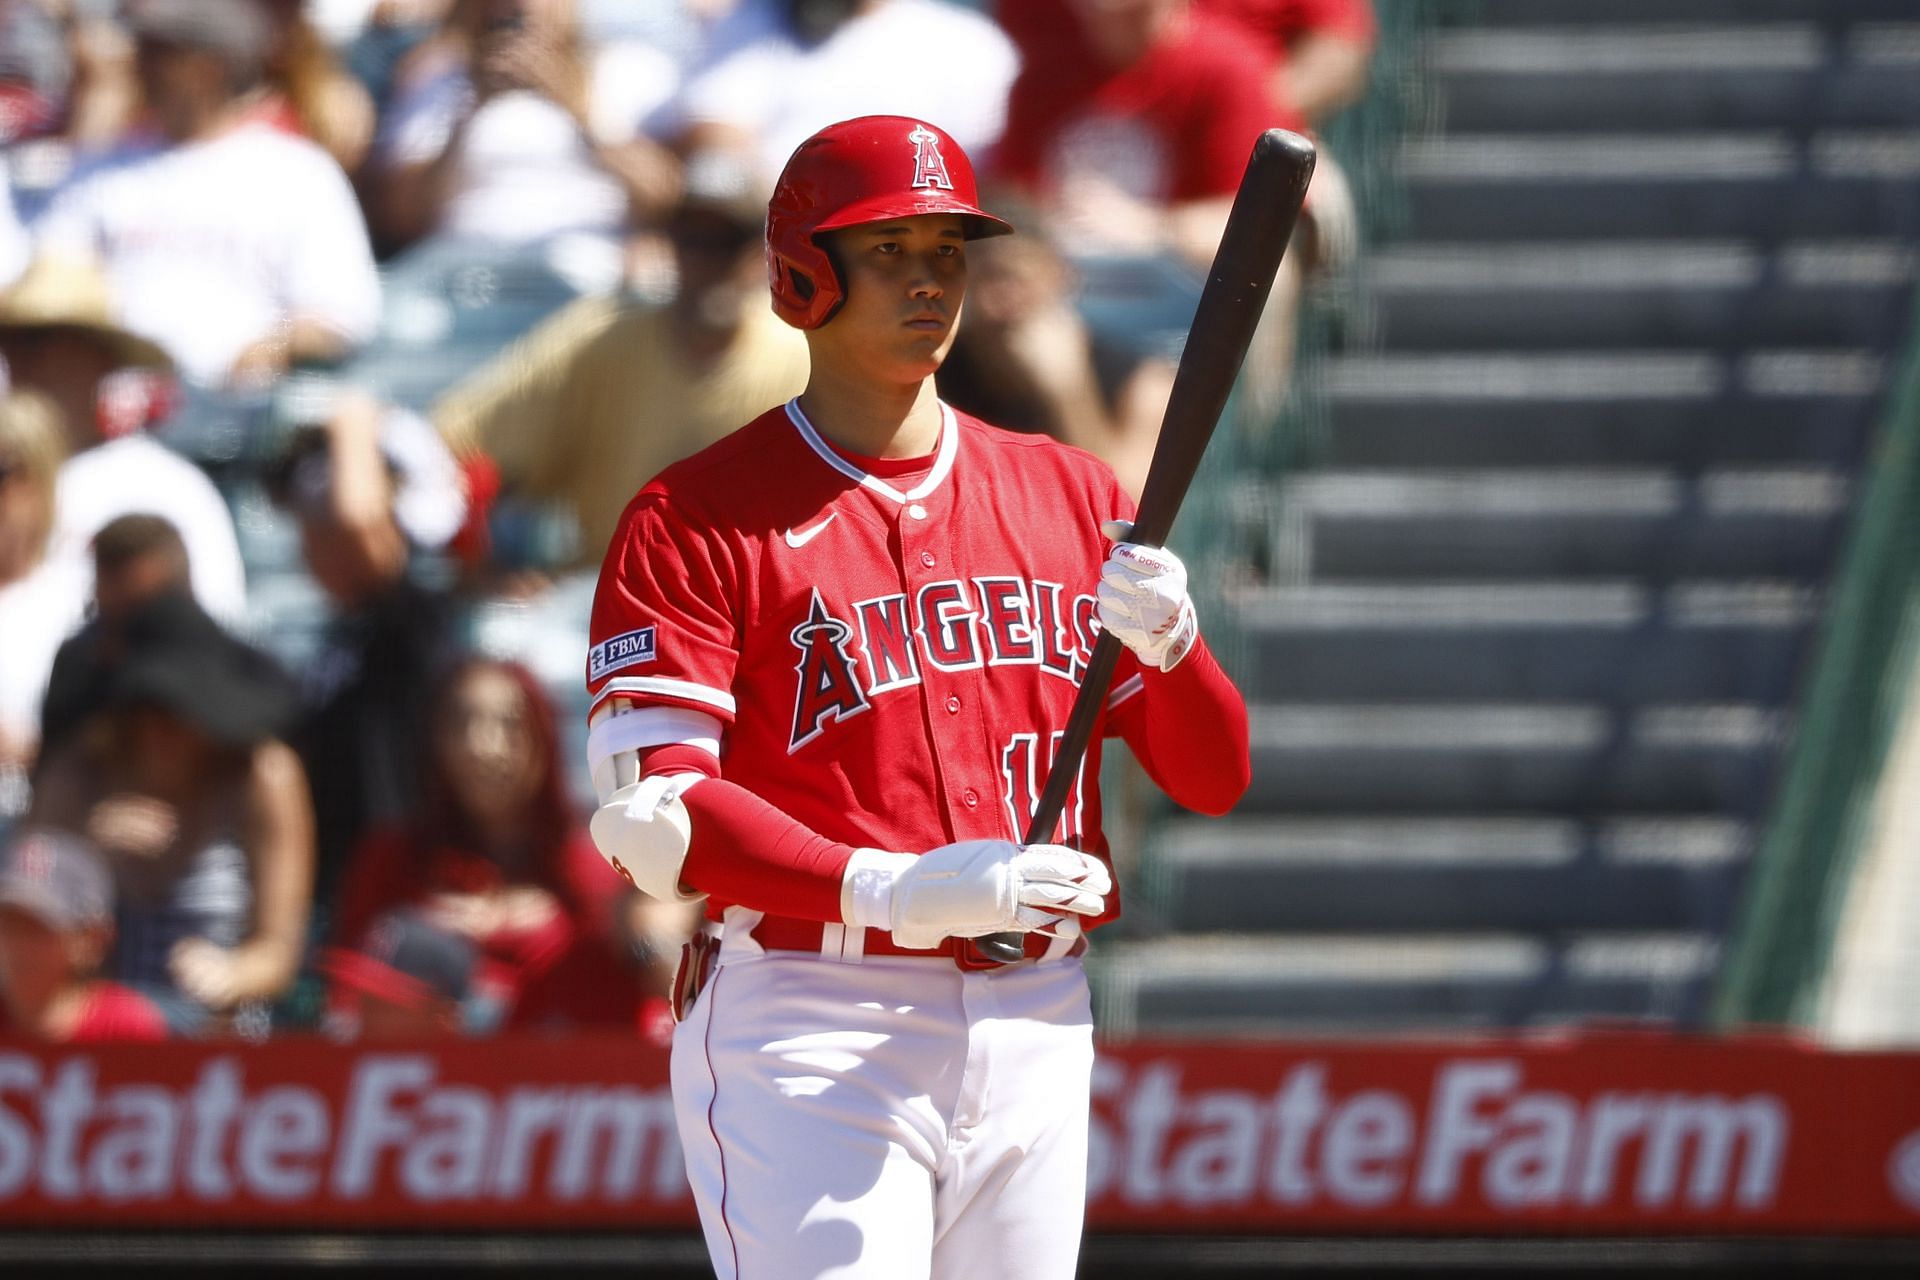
[1025, 776]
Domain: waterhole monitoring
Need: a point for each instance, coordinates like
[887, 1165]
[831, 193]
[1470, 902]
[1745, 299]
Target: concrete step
[1774, 522]
[1236, 983]
[1477, 757]
[1364, 874]
[1642, 294]
[1563, 14]
[1556, 642]
[1674, 408]
[1789, 75]
[1742, 183]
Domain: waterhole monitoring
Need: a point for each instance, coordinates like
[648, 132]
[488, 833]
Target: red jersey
[1048, 27]
[1175, 126]
[396, 867]
[1280, 22]
[893, 663]
[111, 1013]
[117, 1013]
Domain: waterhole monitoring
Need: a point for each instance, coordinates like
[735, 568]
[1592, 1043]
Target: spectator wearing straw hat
[56, 928]
[59, 337]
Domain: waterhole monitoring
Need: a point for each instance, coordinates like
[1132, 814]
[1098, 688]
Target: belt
[838, 943]
[850, 946]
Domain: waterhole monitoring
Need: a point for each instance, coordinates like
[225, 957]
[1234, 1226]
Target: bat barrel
[1259, 227]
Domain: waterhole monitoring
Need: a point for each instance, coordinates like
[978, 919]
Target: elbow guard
[643, 831]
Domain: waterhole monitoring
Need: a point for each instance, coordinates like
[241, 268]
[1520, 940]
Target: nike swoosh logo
[799, 540]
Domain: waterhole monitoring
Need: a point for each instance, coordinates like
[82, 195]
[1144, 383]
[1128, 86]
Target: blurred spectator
[497, 854]
[35, 71]
[595, 402]
[236, 247]
[1134, 130]
[58, 337]
[14, 245]
[135, 559]
[308, 92]
[342, 20]
[835, 59]
[368, 486]
[1025, 359]
[56, 928]
[202, 812]
[405, 980]
[78, 57]
[1317, 51]
[39, 602]
[581, 990]
[506, 129]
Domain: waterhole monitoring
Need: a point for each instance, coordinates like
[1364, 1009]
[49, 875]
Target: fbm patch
[629, 650]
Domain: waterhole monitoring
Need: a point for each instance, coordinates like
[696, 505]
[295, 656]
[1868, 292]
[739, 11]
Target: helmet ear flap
[806, 287]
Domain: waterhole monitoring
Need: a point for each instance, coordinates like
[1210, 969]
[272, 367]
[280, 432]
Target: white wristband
[866, 887]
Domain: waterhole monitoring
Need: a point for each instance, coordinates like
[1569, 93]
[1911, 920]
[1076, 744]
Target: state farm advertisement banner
[1596, 1133]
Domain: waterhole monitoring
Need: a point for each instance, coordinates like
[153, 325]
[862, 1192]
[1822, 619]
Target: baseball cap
[58, 877]
[235, 29]
[405, 960]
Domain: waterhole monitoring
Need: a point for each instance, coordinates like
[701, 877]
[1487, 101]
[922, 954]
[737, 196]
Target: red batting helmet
[862, 170]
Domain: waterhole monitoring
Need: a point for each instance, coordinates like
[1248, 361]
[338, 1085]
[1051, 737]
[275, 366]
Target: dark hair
[128, 538]
[441, 814]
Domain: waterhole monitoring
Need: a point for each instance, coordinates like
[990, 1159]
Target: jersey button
[926, 558]
[953, 706]
[917, 511]
[970, 798]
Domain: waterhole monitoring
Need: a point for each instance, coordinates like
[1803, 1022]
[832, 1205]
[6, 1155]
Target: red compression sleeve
[1188, 729]
[746, 851]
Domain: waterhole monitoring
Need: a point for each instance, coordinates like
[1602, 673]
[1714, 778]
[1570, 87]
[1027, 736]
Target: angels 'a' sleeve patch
[621, 651]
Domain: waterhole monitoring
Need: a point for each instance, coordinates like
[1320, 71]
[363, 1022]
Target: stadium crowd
[297, 494]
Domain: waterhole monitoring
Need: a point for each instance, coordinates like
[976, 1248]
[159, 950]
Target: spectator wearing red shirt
[56, 928]
[1133, 128]
[497, 854]
[406, 980]
[1316, 51]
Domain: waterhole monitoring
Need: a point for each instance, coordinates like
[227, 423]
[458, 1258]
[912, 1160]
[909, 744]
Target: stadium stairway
[1528, 645]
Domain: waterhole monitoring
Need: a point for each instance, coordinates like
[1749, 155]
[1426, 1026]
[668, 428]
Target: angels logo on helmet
[929, 168]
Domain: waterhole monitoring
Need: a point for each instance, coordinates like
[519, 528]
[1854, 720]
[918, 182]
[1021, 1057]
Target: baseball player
[831, 657]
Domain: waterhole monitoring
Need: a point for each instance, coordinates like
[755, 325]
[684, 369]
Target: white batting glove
[1143, 600]
[972, 888]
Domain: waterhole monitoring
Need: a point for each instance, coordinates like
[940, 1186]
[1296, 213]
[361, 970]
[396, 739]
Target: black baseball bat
[1265, 209]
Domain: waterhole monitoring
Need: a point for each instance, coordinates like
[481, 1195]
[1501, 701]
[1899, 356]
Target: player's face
[905, 280]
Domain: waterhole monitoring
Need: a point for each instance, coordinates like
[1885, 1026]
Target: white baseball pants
[898, 1119]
